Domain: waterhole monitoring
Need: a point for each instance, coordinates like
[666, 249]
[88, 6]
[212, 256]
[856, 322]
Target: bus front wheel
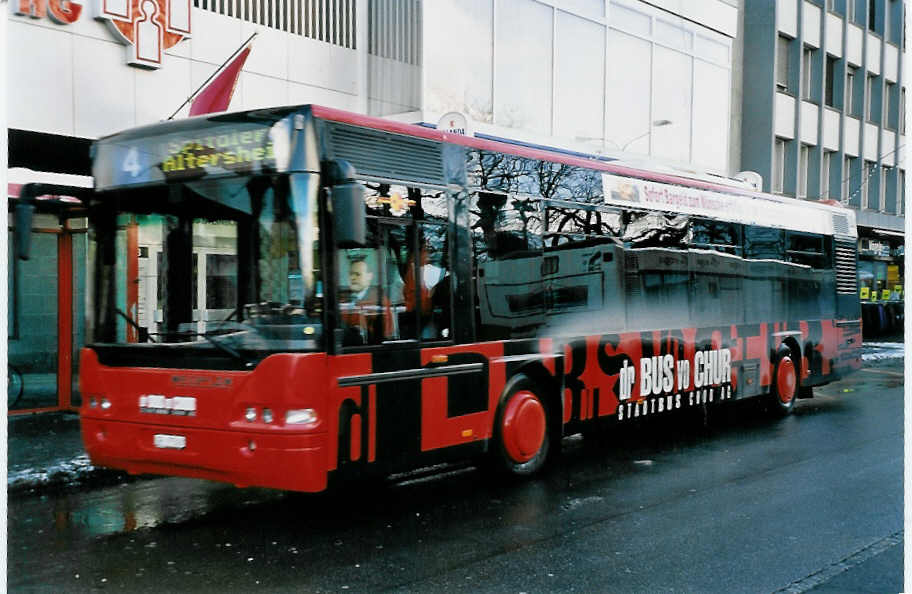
[521, 434]
[784, 388]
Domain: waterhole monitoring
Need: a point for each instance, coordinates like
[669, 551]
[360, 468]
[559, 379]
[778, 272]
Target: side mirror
[349, 218]
[23, 234]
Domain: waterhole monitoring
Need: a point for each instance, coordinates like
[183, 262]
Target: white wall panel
[810, 24]
[714, 14]
[891, 61]
[628, 85]
[785, 116]
[183, 48]
[159, 92]
[870, 142]
[579, 84]
[524, 62]
[809, 121]
[852, 135]
[874, 53]
[711, 115]
[834, 35]
[672, 96]
[458, 58]
[221, 38]
[269, 52]
[104, 94]
[85, 26]
[40, 95]
[854, 40]
[888, 138]
[259, 91]
[831, 119]
[787, 17]
[310, 62]
[299, 94]
[593, 9]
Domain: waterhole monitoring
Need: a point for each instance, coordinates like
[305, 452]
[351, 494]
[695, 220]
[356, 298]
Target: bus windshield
[229, 264]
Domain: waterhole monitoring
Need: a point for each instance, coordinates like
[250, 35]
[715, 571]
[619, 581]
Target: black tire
[785, 383]
[522, 433]
[14, 386]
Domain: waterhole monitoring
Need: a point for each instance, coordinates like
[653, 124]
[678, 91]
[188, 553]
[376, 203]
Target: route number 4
[131, 162]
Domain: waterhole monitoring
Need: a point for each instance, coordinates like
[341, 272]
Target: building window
[850, 10]
[807, 60]
[846, 179]
[866, 179]
[869, 98]
[882, 200]
[803, 172]
[902, 110]
[850, 91]
[825, 174]
[828, 93]
[779, 166]
[888, 115]
[902, 193]
[872, 13]
[782, 63]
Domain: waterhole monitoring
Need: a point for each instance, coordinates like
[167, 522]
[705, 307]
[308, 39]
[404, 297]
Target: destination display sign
[239, 148]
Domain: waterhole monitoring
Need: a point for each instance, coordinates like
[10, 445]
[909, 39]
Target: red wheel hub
[523, 426]
[786, 380]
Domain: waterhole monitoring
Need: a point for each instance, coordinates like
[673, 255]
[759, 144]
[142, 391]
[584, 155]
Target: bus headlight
[250, 414]
[105, 403]
[267, 415]
[300, 416]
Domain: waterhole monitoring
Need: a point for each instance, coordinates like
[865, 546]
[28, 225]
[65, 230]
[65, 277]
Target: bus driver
[362, 308]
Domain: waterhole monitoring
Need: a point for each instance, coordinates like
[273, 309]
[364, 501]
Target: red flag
[217, 94]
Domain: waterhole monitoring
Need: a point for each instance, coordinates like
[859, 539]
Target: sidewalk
[44, 451]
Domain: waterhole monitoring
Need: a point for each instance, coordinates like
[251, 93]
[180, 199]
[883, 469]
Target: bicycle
[14, 386]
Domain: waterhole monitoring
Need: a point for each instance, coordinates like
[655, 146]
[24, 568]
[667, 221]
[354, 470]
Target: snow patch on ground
[878, 351]
[65, 471]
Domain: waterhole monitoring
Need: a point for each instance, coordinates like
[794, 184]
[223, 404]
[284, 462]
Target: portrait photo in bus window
[369, 292]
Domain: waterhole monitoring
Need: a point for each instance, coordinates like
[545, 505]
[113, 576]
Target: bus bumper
[278, 460]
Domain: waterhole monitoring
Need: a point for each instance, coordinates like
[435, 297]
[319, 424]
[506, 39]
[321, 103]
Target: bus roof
[787, 209]
[611, 168]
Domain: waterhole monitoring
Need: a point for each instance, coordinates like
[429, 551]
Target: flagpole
[217, 70]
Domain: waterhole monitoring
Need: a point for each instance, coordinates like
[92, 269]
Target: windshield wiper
[142, 334]
[225, 348]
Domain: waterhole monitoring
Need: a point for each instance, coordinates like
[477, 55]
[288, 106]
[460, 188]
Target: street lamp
[655, 124]
[604, 141]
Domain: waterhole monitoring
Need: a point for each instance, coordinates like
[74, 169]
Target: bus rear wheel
[784, 389]
[522, 437]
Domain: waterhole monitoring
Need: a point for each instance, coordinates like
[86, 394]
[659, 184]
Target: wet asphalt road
[736, 503]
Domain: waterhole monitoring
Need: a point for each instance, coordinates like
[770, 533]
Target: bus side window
[507, 246]
[434, 292]
[368, 294]
[766, 278]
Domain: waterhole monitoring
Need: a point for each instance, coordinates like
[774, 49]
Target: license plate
[170, 442]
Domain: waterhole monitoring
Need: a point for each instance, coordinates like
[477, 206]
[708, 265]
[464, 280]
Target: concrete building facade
[824, 115]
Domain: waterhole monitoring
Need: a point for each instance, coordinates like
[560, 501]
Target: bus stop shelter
[46, 292]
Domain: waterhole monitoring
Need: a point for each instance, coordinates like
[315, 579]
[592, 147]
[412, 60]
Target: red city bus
[282, 296]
